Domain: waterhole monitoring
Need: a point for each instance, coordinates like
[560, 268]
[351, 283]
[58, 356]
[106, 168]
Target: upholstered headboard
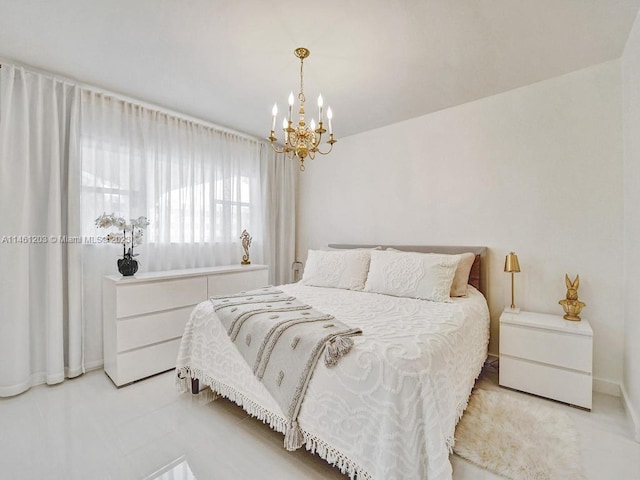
[476, 277]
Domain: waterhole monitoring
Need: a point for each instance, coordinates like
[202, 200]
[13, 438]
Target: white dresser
[144, 316]
[548, 356]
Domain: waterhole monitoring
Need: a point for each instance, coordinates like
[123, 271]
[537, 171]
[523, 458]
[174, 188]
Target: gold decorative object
[246, 243]
[302, 140]
[572, 306]
[511, 265]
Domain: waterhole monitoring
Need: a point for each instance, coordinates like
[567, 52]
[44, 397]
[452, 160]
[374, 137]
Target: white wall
[537, 170]
[631, 169]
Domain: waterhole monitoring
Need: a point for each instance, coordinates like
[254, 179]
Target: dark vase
[127, 266]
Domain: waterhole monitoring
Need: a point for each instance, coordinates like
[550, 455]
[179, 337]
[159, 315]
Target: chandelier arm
[276, 150]
[289, 131]
[327, 152]
[318, 139]
[293, 139]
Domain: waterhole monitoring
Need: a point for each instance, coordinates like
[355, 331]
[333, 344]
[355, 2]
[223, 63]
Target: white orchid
[132, 232]
[114, 238]
[140, 222]
[105, 221]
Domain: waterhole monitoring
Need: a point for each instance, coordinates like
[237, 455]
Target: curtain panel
[69, 154]
[41, 325]
[279, 180]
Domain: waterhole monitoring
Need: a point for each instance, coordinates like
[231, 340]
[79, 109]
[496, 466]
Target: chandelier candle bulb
[290, 105]
[313, 125]
[320, 102]
[329, 117]
[274, 112]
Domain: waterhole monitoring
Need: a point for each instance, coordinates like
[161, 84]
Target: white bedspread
[389, 409]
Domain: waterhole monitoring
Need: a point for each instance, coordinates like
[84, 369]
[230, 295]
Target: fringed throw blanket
[282, 340]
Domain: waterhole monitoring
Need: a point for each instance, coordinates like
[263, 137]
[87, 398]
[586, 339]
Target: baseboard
[631, 412]
[607, 387]
[95, 365]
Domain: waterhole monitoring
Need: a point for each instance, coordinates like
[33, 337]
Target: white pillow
[337, 268]
[427, 276]
[461, 278]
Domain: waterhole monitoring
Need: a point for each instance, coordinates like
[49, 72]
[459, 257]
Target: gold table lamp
[511, 265]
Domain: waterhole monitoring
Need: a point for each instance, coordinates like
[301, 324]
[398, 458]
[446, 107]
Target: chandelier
[301, 140]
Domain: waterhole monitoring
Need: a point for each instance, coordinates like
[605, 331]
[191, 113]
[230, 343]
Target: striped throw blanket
[282, 340]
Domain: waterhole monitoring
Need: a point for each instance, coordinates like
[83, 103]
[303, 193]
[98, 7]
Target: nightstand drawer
[556, 383]
[546, 346]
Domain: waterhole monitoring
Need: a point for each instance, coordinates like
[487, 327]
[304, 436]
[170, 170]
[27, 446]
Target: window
[198, 186]
[183, 207]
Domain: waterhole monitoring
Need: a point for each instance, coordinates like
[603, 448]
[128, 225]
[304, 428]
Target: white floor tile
[87, 429]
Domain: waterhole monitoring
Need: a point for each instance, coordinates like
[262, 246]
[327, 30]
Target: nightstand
[548, 356]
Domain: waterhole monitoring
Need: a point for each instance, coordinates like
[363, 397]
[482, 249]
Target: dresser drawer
[235, 282]
[141, 298]
[137, 364]
[556, 383]
[136, 332]
[550, 347]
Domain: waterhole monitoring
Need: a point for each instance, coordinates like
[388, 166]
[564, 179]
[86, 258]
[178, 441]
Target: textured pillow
[337, 268]
[427, 276]
[461, 278]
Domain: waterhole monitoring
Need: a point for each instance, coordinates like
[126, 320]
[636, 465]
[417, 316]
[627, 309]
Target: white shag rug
[518, 439]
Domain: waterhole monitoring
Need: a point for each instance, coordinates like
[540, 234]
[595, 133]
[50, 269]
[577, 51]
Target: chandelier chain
[301, 96]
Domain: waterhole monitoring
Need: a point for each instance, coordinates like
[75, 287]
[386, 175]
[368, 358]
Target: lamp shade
[511, 263]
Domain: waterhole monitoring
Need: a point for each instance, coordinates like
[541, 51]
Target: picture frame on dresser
[548, 356]
[143, 317]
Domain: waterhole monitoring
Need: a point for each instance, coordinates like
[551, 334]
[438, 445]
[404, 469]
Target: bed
[389, 409]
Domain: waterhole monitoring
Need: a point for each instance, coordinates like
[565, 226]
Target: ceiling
[376, 62]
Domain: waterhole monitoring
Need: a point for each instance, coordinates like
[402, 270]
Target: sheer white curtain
[40, 285]
[199, 187]
[280, 179]
[68, 154]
